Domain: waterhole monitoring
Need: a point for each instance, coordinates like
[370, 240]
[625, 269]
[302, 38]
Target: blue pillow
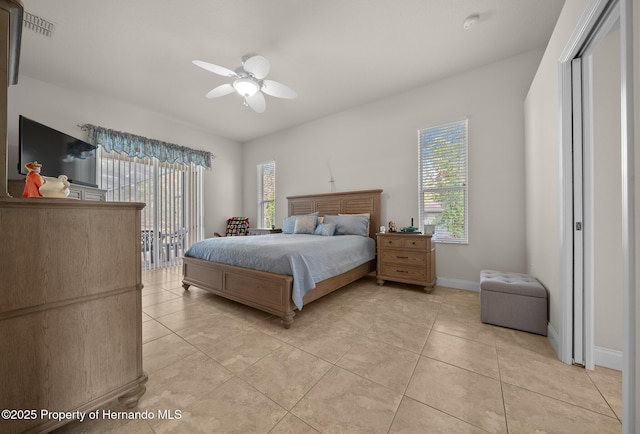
[349, 225]
[325, 229]
[305, 224]
[289, 225]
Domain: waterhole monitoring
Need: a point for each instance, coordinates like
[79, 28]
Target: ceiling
[336, 54]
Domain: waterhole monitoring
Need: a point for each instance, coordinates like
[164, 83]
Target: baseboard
[458, 284]
[554, 338]
[604, 357]
[607, 358]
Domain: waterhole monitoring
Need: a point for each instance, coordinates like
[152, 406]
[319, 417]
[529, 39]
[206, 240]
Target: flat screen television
[59, 153]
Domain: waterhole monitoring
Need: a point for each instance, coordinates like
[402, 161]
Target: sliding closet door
[602, 44]
[606, 206]
[597, 204]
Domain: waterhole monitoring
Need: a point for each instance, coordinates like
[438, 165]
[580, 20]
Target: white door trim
[588, 265]
[578, 220]
[630, 423]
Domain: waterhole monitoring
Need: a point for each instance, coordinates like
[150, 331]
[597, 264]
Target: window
[267, 194]
[443, 181]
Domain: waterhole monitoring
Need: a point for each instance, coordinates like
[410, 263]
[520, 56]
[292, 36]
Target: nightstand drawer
[391, 271]
[399, 242]
[405, 257]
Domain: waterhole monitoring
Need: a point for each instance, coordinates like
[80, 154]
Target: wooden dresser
[406, 258]
[70, 310]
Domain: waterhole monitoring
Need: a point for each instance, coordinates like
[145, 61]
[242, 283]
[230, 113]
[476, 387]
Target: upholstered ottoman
[513, 300]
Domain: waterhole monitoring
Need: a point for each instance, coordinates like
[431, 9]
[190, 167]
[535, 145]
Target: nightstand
[263, 231]
[406, 258]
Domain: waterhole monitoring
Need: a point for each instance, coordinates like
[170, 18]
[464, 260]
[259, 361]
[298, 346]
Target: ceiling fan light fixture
[248, 82]
[246, 86]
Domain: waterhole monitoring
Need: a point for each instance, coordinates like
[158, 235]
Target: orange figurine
[34, 180]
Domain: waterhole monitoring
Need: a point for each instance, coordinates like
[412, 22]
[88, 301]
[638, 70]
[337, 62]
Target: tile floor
[365, 359]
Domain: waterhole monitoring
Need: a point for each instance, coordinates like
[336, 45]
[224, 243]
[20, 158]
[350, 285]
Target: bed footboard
[268, 292]
[265, 291]
[272, 292]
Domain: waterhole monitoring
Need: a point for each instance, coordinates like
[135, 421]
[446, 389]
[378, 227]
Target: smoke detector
[470, 21]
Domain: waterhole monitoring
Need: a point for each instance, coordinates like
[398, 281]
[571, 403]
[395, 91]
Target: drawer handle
[402, 271]
[402, 257]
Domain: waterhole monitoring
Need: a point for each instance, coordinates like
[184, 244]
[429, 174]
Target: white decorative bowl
[55, 187]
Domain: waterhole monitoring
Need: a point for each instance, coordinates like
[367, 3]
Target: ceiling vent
[38, 24]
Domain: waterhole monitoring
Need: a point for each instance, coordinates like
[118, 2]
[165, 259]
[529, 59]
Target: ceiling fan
[249, 82]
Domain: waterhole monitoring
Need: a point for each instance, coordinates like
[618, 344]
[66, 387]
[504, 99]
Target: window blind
[443, 198]
[267, 194]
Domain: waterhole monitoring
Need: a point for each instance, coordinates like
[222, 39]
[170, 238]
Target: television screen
[59, 153]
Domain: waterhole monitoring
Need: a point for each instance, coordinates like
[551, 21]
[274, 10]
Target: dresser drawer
[401, 272]
[400, 242]
[404, 257]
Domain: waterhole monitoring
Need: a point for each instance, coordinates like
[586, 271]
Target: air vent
[38, 24]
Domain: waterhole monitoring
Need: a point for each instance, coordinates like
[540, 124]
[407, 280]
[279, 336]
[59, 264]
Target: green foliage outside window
[267, 194]
[443, 180]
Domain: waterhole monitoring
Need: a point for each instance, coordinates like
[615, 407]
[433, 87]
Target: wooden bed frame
[271, 292]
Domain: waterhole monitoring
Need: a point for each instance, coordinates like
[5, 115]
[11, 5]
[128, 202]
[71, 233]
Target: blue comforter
[308, 258]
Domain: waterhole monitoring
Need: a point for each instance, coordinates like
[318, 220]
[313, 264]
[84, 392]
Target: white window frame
[441, 232]
[263, 171]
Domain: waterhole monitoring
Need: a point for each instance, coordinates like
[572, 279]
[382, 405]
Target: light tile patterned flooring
[365, 359]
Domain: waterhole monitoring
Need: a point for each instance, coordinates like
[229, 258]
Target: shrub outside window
[267, 194]
[443, 188]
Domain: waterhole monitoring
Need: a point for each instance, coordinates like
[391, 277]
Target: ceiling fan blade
[258, 66]
[257, 102]
[221, 90]
[220, 70]
[278, 90]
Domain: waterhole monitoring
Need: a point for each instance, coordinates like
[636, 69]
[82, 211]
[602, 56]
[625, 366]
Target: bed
[273, 292]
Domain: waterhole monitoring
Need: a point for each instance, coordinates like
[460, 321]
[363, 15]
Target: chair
[147, 241]
[175, 242]
[236, 226]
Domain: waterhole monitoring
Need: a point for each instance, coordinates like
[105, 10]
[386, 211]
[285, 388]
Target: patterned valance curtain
[140, 147]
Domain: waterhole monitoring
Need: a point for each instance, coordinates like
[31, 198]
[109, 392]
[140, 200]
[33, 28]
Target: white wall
[542, 157]
[375, 146]
[65, 109]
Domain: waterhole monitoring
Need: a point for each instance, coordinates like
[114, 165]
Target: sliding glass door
[172, 218]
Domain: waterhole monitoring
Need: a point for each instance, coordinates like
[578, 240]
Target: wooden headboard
[348, 202]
